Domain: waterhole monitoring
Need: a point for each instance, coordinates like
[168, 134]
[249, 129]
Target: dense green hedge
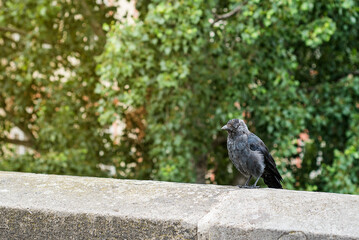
[288, 67]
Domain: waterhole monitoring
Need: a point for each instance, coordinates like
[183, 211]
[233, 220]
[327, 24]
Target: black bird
[250, 155]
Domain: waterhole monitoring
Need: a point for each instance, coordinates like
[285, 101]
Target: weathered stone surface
[63, 206]
[282, 214]
[35, 206]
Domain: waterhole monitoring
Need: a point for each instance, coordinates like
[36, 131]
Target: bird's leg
[246, 184]
[255, 184]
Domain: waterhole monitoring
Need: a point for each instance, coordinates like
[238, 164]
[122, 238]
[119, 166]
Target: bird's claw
[249, 187]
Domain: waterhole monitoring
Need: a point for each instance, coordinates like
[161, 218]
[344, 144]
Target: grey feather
[248, 162]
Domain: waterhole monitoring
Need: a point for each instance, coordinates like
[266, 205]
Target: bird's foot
[248, 187]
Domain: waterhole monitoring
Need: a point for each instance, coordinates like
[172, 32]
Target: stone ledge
[67, 207]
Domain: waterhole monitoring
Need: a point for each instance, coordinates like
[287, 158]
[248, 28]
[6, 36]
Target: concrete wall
[35, 206]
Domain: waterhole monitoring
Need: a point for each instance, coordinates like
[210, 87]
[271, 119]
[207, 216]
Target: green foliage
[47, 81]
[286, 67]
[69, 162]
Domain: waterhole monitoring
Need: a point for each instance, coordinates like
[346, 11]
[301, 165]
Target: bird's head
[236, 126]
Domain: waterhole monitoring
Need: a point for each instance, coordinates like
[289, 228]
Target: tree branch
[10, 39]
[343, 75]
[96, 27]
[229, 14]
[25, 143]
[13, 30]
[337, 79]
[22, 33]
[21, 125]
[28, 133]
[220, 140]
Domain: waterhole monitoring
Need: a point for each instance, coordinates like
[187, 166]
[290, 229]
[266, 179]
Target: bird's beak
[225, 127]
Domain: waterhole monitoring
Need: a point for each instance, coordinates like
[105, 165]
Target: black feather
[271, 176]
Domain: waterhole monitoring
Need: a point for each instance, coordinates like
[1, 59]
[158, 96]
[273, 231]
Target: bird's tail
[271, 180]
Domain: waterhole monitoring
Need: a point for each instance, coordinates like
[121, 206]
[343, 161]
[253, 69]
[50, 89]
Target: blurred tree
[286, 67]
[47, 81]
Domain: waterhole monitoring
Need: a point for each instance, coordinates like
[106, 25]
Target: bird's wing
[271, 175]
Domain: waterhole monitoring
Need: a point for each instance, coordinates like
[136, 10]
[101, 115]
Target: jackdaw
[250, 155]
